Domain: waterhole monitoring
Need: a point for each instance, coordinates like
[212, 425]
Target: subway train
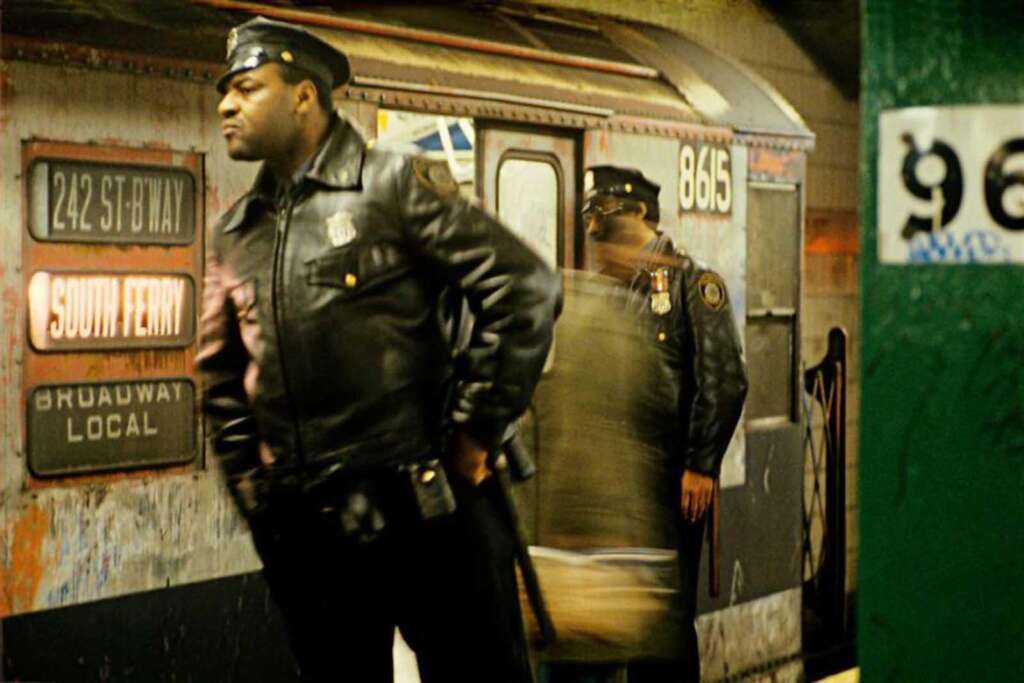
[122, 557]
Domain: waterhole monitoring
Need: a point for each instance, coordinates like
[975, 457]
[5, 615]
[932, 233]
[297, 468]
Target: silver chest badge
[340, 229]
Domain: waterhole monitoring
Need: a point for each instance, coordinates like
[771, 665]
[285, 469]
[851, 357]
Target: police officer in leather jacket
[682, 308]
[328, 384]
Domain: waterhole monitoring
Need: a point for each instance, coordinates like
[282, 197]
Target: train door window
[773, 275]
[527, 177]
[528, 198]
[445, 138]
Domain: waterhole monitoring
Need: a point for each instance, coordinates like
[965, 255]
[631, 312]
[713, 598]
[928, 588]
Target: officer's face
[257, 114]
[614, 235]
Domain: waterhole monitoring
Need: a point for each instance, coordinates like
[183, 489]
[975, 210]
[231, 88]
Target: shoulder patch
[435, 177]
[712, 290]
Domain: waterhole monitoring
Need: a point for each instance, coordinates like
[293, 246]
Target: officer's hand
[470, 459]
[697, 491]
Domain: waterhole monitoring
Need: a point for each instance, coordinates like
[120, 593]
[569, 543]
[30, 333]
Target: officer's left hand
[470, 459]
[697, 491]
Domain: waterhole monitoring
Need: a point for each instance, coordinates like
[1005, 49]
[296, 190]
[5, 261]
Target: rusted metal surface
[337, 22]
[21, 48]
[69, 540]
[777, 166]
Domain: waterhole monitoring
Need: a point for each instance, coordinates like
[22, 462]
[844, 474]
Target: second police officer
[682, 308]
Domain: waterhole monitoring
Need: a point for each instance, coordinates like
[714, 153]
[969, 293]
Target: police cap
[626, 183]
[260, 41]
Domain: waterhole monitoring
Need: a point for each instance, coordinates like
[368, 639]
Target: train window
[773, 264]
[773, 273]
[528, 201]
[445, 138]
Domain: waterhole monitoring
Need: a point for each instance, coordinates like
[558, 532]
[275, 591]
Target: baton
[531, 584]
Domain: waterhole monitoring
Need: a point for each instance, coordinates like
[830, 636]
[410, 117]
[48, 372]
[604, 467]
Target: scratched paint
[20, 581]
[745, 636]
[87, 539]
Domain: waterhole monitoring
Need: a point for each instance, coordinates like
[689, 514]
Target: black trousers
[448, 584]
[683, 669]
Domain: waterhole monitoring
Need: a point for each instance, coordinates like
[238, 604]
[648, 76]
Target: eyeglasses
[602, 209]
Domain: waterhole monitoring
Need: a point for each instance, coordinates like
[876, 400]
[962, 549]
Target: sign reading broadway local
[95, 426]
[951, 185]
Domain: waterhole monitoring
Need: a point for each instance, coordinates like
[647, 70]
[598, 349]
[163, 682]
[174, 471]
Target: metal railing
[826, 619]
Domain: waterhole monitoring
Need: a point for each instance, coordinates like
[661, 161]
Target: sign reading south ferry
[89, 311]
[91, 427]
[91, 201]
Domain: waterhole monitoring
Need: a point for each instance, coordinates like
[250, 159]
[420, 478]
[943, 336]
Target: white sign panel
[951, 185]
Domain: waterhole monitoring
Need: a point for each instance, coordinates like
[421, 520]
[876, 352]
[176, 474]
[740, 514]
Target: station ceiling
[829, 31]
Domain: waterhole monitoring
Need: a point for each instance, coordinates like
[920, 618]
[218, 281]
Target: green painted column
[941, 577]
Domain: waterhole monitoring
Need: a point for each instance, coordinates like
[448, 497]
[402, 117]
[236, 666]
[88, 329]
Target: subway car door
[527, 177]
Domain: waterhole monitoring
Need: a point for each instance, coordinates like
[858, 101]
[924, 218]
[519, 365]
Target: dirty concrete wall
[67, 544]
[743, 30]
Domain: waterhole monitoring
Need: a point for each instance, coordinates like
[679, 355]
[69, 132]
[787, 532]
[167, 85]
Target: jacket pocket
[357, 268]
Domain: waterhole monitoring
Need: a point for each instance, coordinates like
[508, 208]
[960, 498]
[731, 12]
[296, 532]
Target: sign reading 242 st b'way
[79, 201]
[951, 185]
[90, 311]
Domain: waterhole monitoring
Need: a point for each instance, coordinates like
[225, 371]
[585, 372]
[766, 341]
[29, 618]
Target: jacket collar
[337, 164]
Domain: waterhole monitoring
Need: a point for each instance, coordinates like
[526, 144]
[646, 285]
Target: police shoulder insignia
[712, 290]
[435, 176]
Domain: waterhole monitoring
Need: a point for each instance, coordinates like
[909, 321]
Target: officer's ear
[642, 209]
[306, 97]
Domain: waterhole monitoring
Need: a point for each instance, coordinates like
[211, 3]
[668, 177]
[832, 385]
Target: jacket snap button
[427, 476]
[350, 280]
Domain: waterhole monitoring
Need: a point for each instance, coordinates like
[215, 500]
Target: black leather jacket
[699, 348]
[320, 333]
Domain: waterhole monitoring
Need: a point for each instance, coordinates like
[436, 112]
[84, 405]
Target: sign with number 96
[951, 185]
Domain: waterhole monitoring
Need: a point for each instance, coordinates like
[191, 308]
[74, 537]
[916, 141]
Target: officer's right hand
[469, 459]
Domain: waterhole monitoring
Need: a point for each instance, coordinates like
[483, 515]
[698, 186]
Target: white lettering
[138, 190]
[133, 425]
[64, 395]
[112, 432]
[179, 193]
[94, 428]
[72, 436]
[120, 198]
[107, 221]
[167, 219]
[44, 400]
[146, 428]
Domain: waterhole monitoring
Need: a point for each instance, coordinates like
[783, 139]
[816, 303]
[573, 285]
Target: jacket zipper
[284, 215]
